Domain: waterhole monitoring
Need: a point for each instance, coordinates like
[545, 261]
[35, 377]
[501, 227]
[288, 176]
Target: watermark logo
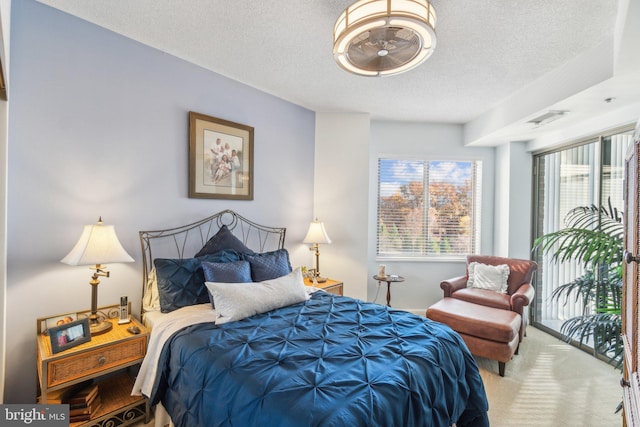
[34, 415]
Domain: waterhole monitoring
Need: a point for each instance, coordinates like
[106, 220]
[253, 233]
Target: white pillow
[235, 301]
[491, 277]
[151, 298]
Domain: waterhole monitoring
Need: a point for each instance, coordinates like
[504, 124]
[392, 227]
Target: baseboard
[418, 311]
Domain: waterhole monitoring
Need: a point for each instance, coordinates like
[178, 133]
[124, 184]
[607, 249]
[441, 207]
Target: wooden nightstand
[331, 286]
[107, 359]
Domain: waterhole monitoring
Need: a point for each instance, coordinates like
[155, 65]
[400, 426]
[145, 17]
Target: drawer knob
[101, 360]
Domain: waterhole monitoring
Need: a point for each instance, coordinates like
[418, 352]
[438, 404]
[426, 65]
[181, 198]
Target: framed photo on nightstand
[68, 335]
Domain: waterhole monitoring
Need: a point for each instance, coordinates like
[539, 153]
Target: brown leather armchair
[519, 294]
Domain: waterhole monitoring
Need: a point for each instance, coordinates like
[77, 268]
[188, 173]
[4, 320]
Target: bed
[257, 347]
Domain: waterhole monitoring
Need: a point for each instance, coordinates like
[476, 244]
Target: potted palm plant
[594, 236]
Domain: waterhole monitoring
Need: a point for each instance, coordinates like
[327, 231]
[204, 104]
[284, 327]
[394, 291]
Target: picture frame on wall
[68, 335]
[220, 158]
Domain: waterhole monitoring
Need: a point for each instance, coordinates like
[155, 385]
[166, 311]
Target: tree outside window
[428, 208]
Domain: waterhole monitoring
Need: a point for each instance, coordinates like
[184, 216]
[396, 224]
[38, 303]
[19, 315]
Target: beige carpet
[551, 383]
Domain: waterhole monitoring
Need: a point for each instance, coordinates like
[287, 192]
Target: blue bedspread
[331, 361]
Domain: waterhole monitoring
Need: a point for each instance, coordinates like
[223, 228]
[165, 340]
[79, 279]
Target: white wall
[5, 25]
[512, 208]
[501, 208]
[341, 197]
[99, 126]
[520, 187]
[3, 244]
[438, 142]
[615, 118]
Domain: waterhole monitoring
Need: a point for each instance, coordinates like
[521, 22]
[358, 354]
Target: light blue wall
[99, 126]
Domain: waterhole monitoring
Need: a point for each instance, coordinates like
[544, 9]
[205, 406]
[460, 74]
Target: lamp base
[321, 279]
[100, 328]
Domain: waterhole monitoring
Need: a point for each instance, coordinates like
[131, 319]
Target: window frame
[476, 207]
[541, 316]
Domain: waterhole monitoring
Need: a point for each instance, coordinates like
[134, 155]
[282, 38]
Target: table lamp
[315, 236]
[98, 244]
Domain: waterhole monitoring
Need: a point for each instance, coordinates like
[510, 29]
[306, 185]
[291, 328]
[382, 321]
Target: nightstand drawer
[87, 363]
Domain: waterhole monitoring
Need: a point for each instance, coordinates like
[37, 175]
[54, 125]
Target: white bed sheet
[163, 327]
[150, 317]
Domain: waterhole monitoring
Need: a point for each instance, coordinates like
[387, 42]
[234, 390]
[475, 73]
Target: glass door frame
[599, 140]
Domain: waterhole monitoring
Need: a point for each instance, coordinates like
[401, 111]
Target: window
[588, 173]
[428, 208]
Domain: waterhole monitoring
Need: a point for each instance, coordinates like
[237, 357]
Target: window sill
[451, 258]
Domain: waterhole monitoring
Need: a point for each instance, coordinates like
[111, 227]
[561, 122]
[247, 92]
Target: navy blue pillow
[223, 240]
[227, 272]
[181, 281]
[269, 265]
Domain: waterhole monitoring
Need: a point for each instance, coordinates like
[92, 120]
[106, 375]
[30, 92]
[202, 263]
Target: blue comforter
[331, 361]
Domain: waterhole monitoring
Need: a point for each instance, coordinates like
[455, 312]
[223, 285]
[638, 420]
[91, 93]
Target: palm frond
[604, 292]
[594, 236]
[603, 328]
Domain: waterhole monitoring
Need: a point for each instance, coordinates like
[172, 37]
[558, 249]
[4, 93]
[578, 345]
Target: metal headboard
[185, 241]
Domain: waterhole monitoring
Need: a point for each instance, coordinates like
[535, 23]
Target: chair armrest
[451, 285]
[522, 297]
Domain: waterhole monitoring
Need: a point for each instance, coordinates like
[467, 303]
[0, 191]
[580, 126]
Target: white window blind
[566, 180]
[584, 175]
[428, 208]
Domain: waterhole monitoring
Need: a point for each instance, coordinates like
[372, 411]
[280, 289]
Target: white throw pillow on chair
[491, 277]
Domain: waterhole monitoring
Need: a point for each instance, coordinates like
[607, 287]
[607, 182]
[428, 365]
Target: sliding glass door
[584, 174]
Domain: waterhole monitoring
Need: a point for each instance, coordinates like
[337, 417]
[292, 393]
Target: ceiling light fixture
[384, 37]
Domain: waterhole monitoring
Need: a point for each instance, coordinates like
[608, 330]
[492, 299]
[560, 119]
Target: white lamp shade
[98, 244]
[316, 233]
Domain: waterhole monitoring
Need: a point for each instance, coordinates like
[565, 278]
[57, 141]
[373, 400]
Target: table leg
[388, 294]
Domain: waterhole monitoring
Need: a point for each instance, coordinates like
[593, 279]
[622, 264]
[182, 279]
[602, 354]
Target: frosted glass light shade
[384, 37]
[98, 244]
[316, 233]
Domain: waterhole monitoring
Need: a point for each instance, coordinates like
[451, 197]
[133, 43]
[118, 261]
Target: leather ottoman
[488, 332]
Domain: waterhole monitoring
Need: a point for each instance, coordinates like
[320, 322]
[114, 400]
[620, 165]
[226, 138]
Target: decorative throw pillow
[491, 277]
[223, 240]
[181, 281]
[228, 272]
[269, 265]
[236, 301]
[151, 299]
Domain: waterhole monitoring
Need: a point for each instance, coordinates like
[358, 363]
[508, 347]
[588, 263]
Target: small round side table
[389, 279]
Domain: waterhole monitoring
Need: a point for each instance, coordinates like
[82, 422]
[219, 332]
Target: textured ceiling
[486, 50]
